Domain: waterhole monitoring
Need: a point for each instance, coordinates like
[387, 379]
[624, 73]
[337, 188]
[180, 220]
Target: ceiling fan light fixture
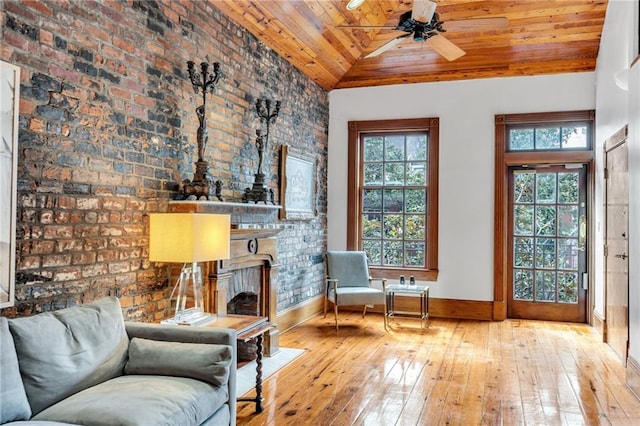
[418, 36]
[354, 4]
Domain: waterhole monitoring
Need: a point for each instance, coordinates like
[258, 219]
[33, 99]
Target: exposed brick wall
[108, 130]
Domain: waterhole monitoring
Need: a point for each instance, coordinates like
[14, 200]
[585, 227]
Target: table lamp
[189, 238]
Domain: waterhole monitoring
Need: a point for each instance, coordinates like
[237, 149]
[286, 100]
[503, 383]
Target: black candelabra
[202, 185]
[259, 192]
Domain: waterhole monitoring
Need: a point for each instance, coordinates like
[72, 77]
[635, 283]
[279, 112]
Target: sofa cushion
[37, 423]
[141, 400]
[222, 417]
[13, 400]
[63, 352]
[199, 361]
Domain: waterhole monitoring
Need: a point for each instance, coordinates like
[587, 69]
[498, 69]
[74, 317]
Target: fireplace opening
[244, 303]
[246, 281]
[244, 287]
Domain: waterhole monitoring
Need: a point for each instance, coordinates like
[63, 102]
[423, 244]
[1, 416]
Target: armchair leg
[335, 310]
[364, 312]
[325, 306]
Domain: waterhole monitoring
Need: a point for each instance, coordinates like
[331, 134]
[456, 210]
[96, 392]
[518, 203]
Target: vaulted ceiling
[328, 43]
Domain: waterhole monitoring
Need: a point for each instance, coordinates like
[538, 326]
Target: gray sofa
[85, 365]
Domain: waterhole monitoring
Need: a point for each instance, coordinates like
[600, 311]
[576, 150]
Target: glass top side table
[390, 292]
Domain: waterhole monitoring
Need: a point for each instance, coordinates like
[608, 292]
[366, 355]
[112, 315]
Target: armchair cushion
[206, 362]
[348, 267]
[357, 296]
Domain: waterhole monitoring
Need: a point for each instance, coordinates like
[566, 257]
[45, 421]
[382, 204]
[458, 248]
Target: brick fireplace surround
[253, 245]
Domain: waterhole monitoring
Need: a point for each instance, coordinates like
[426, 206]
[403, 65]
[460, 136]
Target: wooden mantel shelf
[213, 204]
[248, 221]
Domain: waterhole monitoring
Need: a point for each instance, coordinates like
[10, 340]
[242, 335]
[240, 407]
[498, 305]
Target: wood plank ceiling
[542, 37]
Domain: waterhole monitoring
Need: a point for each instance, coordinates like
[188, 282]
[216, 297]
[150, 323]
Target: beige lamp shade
[188, 237]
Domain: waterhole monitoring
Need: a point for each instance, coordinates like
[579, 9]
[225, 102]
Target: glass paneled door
[548, 240]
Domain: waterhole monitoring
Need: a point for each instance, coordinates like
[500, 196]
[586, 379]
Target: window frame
[354, 197]
[537, 125]
[505, 159]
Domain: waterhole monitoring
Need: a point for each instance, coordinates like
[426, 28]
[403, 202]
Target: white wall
[466, 110]
[611, 113]
[616, 107]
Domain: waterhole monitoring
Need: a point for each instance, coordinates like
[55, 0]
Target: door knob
[622, 256]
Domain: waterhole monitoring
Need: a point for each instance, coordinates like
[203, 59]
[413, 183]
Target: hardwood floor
[456, 372]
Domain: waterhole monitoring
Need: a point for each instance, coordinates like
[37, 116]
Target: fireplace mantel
[252, 245]
[207, 206]
[243, 215]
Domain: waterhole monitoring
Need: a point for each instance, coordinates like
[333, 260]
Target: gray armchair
[348, 282]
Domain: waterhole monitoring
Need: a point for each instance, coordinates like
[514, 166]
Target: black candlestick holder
[259, 192]
[203, 185]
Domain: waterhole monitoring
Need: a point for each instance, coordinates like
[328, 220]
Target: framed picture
[297, 186]
[9, 99]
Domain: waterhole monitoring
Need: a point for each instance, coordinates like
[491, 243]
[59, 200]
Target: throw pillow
[207, 362]
[13, 400]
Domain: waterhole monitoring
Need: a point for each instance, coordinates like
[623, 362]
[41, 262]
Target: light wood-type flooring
[456, 372]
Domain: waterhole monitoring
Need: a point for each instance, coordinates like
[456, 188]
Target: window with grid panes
[397, 224]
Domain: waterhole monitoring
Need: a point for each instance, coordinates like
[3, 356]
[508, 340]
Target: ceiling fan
[422, 23]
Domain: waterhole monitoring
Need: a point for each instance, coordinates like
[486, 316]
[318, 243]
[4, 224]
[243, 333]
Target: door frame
[504, 160]
[614, 141]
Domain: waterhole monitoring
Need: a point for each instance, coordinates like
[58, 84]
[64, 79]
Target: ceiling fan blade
[390, 27]
[388, 45]
[444, 47]
[499, 23]
[423, 10]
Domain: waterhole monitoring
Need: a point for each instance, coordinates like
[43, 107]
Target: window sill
[394, 273]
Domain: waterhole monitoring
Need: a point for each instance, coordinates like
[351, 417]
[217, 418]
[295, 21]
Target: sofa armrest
[186, 334]
[183, 334]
